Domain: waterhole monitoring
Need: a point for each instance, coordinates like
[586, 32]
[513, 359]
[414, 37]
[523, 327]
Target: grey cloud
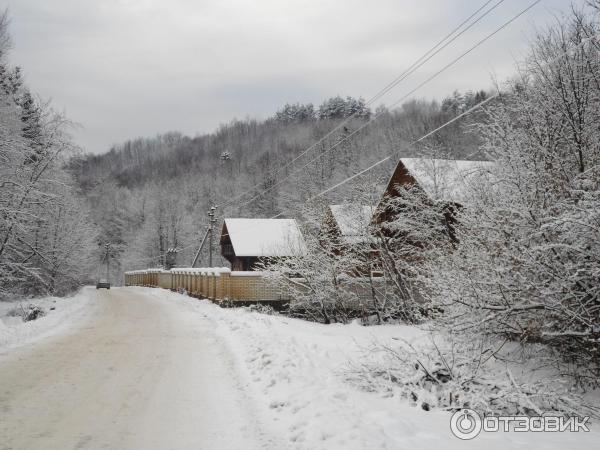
[125, 68]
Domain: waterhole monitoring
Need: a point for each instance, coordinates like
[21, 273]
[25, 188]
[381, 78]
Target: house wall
[401, 177]
[243, 263]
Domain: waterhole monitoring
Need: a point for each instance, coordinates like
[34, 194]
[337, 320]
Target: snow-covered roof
[447, 179]
[265, 237]
[352, 219]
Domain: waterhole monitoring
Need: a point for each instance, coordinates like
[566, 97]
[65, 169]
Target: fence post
[224, 285]
[212, 286]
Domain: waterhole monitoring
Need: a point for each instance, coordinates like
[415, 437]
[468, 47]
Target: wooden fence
[216, 283]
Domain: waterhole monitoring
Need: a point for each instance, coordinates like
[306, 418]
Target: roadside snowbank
[67, 312]
[297, 371]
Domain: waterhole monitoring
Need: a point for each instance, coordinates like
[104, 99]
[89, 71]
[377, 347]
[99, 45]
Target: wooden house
[346, 229]
[348, 223]
[245, 242]
[440, 180]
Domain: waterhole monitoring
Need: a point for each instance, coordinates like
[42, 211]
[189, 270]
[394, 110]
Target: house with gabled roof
[348, 223]
[346, 229]
[245, 242]
[441, 180]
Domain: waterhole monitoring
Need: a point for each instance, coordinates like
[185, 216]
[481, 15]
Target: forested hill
[150, 194]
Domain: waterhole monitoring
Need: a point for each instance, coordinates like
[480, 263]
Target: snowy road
[135, 374]
[143, 368]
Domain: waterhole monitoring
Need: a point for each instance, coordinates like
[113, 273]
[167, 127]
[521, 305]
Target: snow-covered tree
[295, 113]
[527, 264]
[340, 108]
[45, 236]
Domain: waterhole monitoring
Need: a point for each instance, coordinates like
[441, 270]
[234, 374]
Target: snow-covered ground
[291, 375]
[61, 313]
[297, 372]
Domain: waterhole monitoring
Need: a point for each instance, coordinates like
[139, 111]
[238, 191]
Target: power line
[432, 132]
[376, 116]
[415, 142]
[435, 50]
[403, 98]
[391, 155]
[470, 110]
[428, 55]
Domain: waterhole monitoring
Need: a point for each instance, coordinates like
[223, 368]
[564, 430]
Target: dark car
[102, 284]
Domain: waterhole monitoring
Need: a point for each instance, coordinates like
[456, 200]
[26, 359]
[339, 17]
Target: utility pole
[211, 222]
[209, 234]
[107, 258]
[200, 248]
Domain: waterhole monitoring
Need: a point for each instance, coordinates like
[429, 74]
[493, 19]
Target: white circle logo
[465, 424]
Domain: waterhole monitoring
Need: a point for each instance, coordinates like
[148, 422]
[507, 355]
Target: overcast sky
[129, 68]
